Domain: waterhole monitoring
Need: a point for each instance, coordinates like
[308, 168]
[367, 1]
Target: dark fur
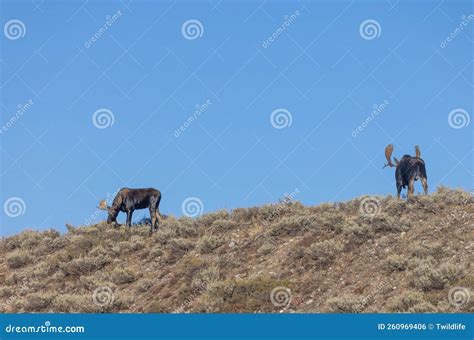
[127, 200]
[408, 170]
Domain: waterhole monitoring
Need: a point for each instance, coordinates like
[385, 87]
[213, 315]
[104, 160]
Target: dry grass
[330, 257]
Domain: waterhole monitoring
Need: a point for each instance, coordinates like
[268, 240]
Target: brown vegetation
[329, 258]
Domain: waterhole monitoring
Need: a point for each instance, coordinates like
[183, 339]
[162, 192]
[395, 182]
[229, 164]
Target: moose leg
[129, 217]
[411, 188]
[158, 219]
[399, 190]
[424, 182]
[157, 212]
[153, 218]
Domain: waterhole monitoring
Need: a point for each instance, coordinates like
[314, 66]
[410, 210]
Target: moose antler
[388, 156]
[103, 205]
[417, 151]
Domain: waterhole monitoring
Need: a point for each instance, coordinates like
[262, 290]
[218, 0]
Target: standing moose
[127, 200]
[408, 170]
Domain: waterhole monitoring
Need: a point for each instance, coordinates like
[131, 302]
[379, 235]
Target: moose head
[112, 218]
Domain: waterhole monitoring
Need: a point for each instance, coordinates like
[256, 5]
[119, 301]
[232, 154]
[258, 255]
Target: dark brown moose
[128, 200]
[408, 170]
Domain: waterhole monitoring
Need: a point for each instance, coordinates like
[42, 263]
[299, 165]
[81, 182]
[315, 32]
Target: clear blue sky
[319, 67]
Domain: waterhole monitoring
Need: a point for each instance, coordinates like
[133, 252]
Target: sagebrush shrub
[427, 274]
[356, 233]
[18, 259]
[265, 249]
[395, 263]
[163, 236]
[121, 276]
[447, 196]
[293, 225]
[207, 219]
[323, 253]
[223, 225]
[347, 304]
[329, 220]
[423, 307]
[36, 302]
[84, 265]
[180, 246]
[405, 301]
[207, 244]
[427, 250]
[155, 252]
[383, 222]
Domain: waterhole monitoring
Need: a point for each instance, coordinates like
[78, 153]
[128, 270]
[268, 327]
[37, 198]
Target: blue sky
[327, 65]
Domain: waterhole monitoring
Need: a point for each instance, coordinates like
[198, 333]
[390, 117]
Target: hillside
[371, 254]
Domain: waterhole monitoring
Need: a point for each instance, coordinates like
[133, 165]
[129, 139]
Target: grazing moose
[128, 200]
[408, 170]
